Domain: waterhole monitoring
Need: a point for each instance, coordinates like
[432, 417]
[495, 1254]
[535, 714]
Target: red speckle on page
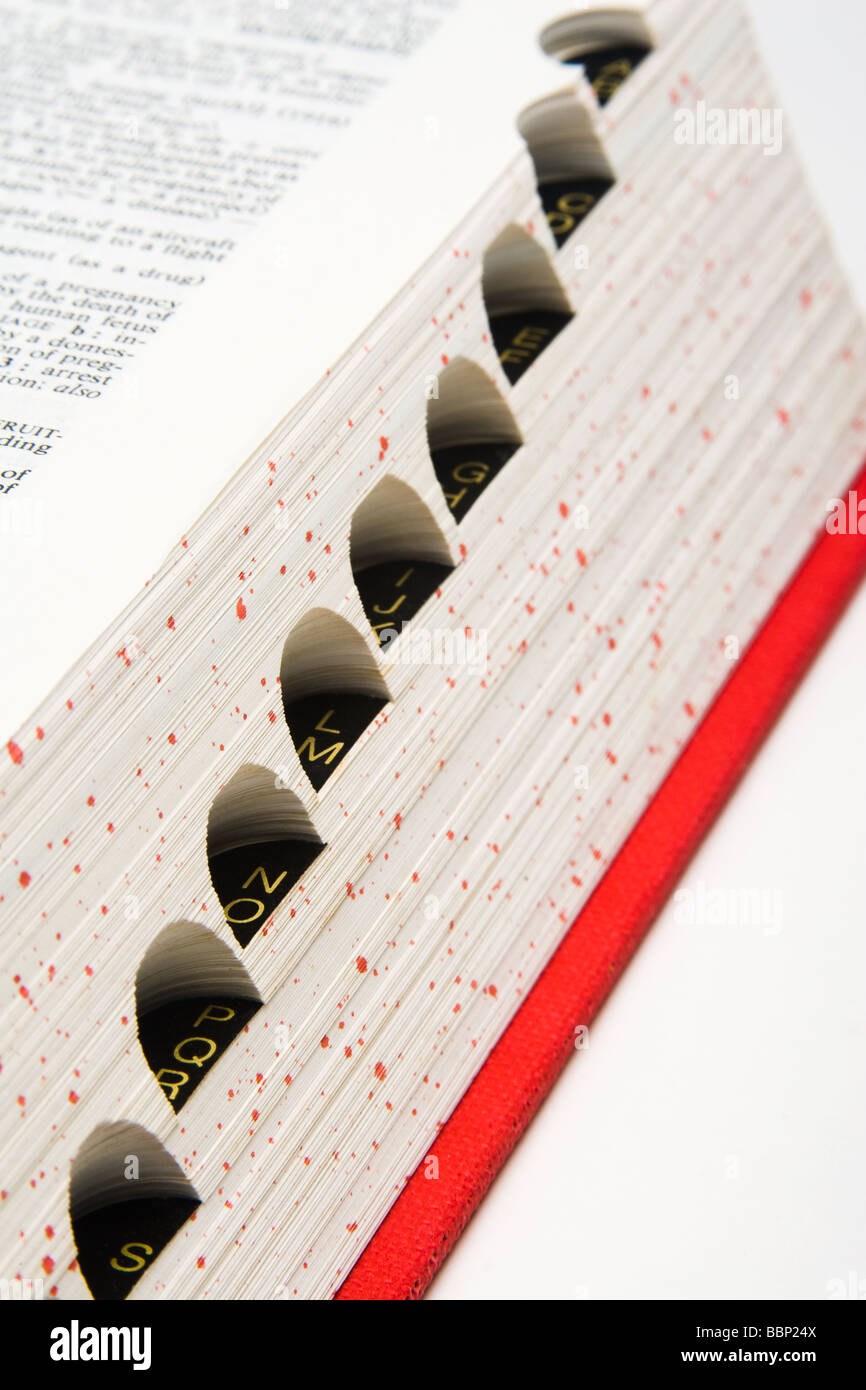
[783, 415]
[380, 1071]
[24, 879]
[200, 1261]
[15, 752]
[383, 446]
[563, 509]
[581, 559]
[491, 989]
[312, 576]
[170, 624]
[361, 964]
[172, 738]
[73, 1098]
[689, 709]
[241, 609]
[325, 1041]
[805, 298]
[48, 1264]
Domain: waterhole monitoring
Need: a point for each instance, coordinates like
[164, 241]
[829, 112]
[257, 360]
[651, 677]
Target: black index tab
[607, 68]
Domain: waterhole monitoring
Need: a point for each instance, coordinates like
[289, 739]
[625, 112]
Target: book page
[200, 207]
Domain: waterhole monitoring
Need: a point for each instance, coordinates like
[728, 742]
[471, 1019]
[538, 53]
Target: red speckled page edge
[427, 1218]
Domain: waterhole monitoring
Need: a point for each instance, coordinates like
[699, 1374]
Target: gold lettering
[611, 78]
[269, 887]
[452, 498]
[477, 475]
[560, 222]
[242, 921]
[570, 207]
[171, 1087]
[377, 607]
[329, 753]
[215, 1018]
[129, 1251]
[525, 343]
[195, 1061]
[322, 727]
[577, 202]
[530, 337]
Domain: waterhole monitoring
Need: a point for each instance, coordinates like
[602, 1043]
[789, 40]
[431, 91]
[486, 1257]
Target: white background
[710, 1142]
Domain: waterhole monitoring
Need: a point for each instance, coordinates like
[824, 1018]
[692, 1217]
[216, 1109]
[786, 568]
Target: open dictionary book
[413, 410]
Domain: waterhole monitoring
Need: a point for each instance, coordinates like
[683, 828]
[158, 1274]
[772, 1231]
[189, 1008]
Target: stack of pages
[563, 371]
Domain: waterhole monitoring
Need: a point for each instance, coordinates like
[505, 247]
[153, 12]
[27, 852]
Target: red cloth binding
[426, 1219]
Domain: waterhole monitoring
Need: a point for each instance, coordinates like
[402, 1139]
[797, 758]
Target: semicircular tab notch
[127, 1199]
[572, 171]
[192, 996]
[399, 556]
[260, 841]
[607, 43]
[332, 690]
[471, 433]
[525, 302]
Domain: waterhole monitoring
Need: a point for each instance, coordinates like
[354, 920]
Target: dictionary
[434, 436]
